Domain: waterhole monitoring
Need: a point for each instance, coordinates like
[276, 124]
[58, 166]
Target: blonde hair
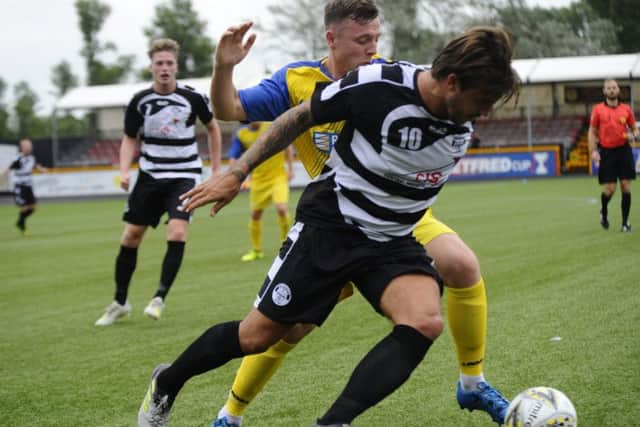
[163, 45]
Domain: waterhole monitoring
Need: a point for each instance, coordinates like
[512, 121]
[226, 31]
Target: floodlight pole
[631, 76]
[529, 125]
[529, 90]
[54, 137]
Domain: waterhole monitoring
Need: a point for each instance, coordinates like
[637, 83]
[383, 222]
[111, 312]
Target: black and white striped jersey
[166, 126]
[22, 168]
[391, 158]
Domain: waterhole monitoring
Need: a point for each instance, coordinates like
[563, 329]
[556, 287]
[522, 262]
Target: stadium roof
[579, 68]
[110, 96]
[531, 71]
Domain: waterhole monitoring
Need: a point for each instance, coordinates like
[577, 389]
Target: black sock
[170, 266]
[626, 207]
[385, 368]
[214, 348]
[604, 201]
[22, 219]
[125, 266]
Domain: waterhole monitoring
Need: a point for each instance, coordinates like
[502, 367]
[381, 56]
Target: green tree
[412, 30]
[549, 32]
[63, 78]
[178, 20]
[92, 15]
[297, 30]
[625, 16]
[69, 126]
[5, 132]
[415, 30]
[28, 124]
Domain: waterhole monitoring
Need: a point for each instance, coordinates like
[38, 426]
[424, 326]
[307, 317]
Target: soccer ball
[541, 407]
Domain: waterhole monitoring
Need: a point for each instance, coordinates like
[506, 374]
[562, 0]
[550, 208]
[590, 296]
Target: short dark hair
[480, 58]
[361, 11]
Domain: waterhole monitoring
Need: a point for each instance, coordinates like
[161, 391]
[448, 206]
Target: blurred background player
[611, 130]
[22, 168]
[163, 117]
[269, 182]
[352, 29]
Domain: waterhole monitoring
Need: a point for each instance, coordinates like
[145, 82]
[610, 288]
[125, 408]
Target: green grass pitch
[549, 267]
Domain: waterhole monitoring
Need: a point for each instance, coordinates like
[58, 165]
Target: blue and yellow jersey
[243, 139]
[289, 86]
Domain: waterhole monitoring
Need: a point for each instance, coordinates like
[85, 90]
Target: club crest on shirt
[324, 141]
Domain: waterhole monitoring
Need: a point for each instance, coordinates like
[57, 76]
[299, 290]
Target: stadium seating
[107, 151]
[578, 158]
[103, 153]
[547, 130]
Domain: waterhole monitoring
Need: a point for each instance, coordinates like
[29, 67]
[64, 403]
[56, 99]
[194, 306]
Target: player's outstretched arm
[231, 50]
[276, 138]
[214, 142]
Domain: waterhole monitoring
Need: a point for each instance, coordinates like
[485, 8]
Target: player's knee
[256, 343]
[298, 332]
[430, 325]
[256, 333]
[177, 230]
[132, 237]
[460, 269]
[177, 236]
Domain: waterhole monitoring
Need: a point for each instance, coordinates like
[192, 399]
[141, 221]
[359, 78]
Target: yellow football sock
[284, 222]
[467, 312]
[255, 233]
[253, 374]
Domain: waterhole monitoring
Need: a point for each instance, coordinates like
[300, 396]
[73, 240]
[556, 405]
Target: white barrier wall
[103, 183]
[8, 154]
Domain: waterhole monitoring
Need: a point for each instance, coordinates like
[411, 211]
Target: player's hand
[232, 48]
[220, 190]
[124, 180]
[215, 173]
[595, 156]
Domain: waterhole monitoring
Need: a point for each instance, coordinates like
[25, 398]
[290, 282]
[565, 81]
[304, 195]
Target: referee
[611, 129]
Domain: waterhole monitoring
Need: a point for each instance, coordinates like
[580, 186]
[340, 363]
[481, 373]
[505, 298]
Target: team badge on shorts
[281, 294]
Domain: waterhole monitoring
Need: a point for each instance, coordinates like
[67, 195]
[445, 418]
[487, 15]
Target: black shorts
[23, 195]
[304, 281]
[151, 198]
[616, 163]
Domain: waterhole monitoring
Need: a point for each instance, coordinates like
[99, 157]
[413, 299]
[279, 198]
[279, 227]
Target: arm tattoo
[278, 136]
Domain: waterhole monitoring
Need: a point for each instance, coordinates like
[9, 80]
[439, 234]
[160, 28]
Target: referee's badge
[281, 295]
